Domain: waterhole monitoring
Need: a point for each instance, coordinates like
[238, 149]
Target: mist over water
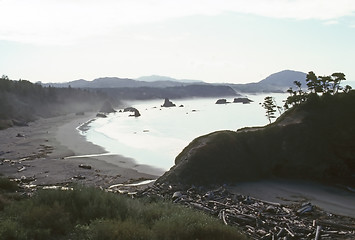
[160, 134]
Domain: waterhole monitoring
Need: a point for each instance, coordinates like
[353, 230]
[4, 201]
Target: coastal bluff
[314, 141]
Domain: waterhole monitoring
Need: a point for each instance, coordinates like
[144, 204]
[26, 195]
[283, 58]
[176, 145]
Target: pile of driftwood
[257, 218]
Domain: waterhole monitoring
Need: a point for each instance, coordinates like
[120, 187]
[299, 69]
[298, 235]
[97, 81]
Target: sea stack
[243, 100]
[222, 101]
[133, 110]
[168, 103]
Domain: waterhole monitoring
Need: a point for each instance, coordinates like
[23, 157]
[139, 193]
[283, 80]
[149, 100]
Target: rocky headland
[314, 141]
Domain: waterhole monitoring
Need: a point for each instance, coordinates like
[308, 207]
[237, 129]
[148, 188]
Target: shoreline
[51, 150]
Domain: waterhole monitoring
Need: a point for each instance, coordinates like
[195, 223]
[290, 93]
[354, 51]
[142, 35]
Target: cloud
[69, 21]
[331, 22]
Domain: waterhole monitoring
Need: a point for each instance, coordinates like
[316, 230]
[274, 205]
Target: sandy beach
[49, 151]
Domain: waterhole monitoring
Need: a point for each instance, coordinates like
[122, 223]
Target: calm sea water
[160, 134]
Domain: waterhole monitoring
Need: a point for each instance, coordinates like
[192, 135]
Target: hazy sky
[212, 40]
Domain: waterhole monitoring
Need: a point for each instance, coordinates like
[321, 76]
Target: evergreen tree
[336, 79]
[270, 107]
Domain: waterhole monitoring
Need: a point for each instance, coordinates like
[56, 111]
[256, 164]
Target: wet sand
[52, 149]
[331, 199]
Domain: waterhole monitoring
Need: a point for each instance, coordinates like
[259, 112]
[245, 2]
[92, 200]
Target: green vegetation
[88, 213]
[22, 101]
[269, 105]
[322, 85]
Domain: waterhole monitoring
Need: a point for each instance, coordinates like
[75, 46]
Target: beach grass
[89, 213]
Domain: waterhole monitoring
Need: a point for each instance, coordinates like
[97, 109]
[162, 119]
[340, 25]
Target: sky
[234, 41]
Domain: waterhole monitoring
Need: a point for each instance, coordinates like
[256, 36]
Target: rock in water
[168, 103]
[102, 115]
[222, 101]
[135, 114]
[133, 110]
[242, 100]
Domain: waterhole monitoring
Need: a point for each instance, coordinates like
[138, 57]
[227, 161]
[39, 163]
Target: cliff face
[314, 141]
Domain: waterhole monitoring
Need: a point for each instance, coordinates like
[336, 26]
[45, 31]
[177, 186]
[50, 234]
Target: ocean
[160, 134]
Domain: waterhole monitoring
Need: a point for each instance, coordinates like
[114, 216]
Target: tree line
[25, 101]
[316, 86]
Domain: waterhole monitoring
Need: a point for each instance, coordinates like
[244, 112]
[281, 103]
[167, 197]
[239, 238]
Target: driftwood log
[257, 218]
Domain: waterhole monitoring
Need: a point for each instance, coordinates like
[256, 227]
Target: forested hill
[22, 101]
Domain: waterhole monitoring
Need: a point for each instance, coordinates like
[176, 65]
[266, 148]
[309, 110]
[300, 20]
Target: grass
[7, 192]
[88, 213]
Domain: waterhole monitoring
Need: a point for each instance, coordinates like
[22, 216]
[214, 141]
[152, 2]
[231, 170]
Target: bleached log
[319, 228]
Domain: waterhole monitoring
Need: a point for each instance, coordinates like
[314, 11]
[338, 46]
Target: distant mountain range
[115, 82]
[277, 82]
[153, 81]
[155, 78]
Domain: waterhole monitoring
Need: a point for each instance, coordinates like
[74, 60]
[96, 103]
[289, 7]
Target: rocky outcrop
[305, 143]
[135, 114]
[243, 100]
[168, 103]
[133, 110]
[107, 108]
[101, 115]
[222, 101]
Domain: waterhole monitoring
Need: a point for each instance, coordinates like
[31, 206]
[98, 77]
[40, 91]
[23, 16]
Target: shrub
[86, 204]
[118, 230]
[88, 213]
[7, 186]
[10, 229]
[184, 223]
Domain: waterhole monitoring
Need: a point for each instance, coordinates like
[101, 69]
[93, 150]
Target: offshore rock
[242, 100]
[222, 101]
[133, 110]
[101, 115]
[168, 103]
